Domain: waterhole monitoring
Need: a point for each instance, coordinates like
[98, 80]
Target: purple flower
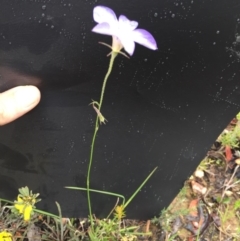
[122, 30]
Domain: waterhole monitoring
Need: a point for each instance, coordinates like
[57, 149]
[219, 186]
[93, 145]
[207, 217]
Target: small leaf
[237, 205]
[24, 191]
[226, 200]
[238, 116]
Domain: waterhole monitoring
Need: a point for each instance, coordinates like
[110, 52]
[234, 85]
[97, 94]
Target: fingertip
[17, 102]
[27, 97]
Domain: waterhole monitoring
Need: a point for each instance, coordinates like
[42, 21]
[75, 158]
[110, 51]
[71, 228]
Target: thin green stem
[89, 171]
[113, 56]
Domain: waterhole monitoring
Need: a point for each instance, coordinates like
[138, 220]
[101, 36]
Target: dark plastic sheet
[164, 108]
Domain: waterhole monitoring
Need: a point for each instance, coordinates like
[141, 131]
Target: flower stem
[113, 56]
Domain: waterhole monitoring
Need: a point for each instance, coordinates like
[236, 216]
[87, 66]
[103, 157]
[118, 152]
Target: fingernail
[27, 96]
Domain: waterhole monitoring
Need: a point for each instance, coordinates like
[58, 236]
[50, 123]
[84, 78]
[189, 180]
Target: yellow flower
[129, 238]
[119, 212]
[5, 236]
[23, 208]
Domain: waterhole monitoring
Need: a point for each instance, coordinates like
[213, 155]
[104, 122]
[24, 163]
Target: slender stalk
[113, 56]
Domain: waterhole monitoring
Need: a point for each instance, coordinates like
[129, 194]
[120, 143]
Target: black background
[164, 108]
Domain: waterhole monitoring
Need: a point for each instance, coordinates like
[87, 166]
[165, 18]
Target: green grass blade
[98, 191]
[7, 201]
[45, 213]
[135, 193]
[60, 217]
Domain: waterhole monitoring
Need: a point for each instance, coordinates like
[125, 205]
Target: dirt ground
[208, 206]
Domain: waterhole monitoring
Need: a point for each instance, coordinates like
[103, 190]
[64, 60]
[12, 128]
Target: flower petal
[104, 14]
[126, 24]
[128, 44]
[27, 212]
[20, 205]
[5, 236]
[103, 28]
[144, 38]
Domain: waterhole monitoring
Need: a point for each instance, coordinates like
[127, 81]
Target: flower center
[116, 44]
